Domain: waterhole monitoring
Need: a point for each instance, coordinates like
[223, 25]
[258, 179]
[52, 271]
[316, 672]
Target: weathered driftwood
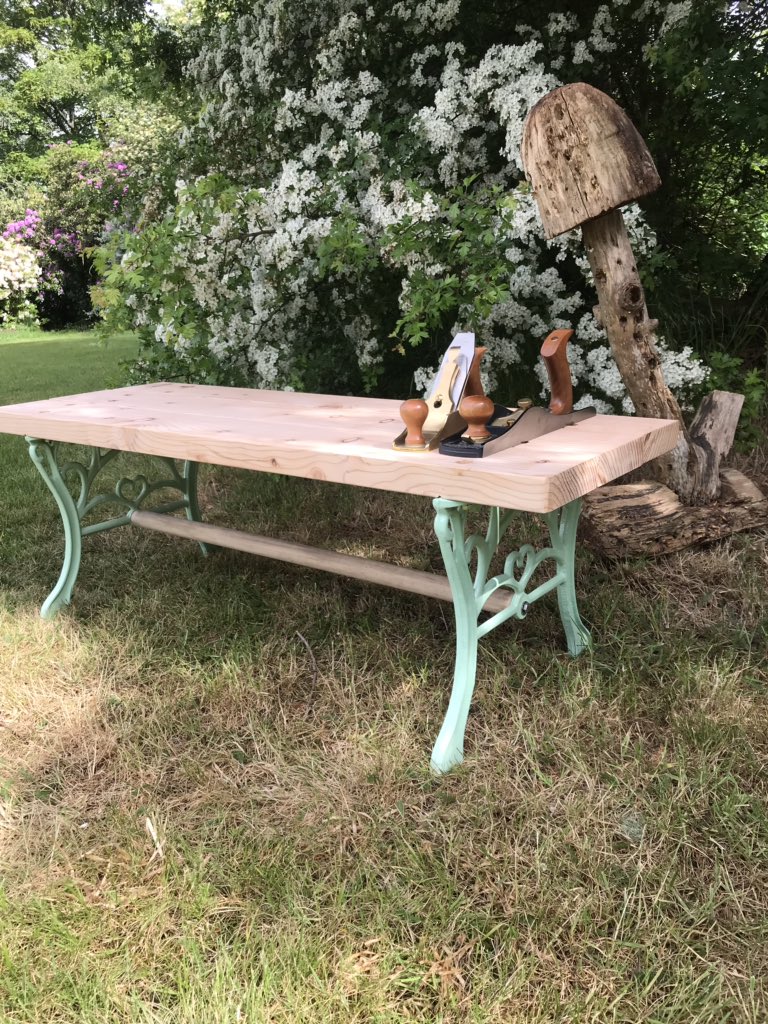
[712, 431]
[585, 159]
[692, 468]
[647, 518]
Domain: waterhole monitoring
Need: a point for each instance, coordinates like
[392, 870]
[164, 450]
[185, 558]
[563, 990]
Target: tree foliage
[319, 192]
[358, 194]
[57, 64]
[83, 91]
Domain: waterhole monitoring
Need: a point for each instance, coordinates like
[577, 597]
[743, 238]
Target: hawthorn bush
[352, 192]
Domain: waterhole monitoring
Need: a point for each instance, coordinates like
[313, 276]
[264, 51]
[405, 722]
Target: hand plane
[429, 420]
[493, 428]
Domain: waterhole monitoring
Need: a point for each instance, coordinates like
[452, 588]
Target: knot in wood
[630, 296]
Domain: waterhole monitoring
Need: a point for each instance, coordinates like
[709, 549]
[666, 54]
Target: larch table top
[341, 439]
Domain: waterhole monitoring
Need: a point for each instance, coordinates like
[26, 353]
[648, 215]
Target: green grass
[37, 364]
[602, 856]
[31, 335]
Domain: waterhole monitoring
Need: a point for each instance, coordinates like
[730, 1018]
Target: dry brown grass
[216, 802]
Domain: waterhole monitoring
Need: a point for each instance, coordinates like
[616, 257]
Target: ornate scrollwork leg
[471, 591]
[450, 520]
[127, 495]
[562, 529]
[44, 458]
[192, 508]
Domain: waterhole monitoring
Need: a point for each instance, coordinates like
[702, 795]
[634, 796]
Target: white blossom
[20, 275]
[248, 254]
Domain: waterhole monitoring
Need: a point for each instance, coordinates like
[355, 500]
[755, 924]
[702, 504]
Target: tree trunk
[585, 160]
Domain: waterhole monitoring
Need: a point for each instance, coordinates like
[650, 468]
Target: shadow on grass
[217, 791]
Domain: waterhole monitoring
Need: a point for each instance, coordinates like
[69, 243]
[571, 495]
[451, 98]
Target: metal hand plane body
[510, 427]
[429, 420]
[494, 428]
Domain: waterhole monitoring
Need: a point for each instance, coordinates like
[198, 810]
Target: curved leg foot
[562, 529]
[448, 750]
[44, 458]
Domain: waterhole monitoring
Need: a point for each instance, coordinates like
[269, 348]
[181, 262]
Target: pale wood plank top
[342, 439]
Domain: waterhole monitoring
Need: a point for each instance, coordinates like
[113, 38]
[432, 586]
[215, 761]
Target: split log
[712, 432]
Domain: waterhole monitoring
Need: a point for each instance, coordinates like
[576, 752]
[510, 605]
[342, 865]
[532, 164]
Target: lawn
[215, 802]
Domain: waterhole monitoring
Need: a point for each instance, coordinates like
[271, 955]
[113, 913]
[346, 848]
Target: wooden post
[415, 581]
[692, 468]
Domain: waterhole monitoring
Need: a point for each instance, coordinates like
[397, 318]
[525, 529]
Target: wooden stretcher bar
[415, 581]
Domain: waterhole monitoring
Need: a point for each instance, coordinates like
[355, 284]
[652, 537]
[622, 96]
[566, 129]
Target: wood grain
[583, 157]
[554, 352]
[341, 439]
[713, 430]
[647, 518]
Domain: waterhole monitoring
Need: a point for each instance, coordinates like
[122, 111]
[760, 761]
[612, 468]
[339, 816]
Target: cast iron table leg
[127, 495]
[472, 588]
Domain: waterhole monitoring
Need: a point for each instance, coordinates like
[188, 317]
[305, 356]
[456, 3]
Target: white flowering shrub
[20, 281]
[353, 193]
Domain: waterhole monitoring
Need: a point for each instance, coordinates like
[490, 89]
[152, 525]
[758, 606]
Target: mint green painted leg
[562, 529]
[44, 457]
[127, 495]
[472, 590]
[450, 521]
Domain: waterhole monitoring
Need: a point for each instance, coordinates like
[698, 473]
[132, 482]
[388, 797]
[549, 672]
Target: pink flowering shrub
[26, 228]
[87, 187]
[87, 192]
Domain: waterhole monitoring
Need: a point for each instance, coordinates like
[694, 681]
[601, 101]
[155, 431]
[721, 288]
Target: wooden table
[345, 440]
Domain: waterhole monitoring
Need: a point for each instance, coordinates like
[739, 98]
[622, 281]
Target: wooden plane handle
[554, 352]
[474, 385]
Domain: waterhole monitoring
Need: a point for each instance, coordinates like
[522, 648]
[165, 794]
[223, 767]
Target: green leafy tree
[87, 95]
[54, 59]
[352, 191]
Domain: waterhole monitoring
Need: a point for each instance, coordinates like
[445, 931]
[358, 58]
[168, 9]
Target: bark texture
[648, 518]
[584, 157]
[692, 468]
